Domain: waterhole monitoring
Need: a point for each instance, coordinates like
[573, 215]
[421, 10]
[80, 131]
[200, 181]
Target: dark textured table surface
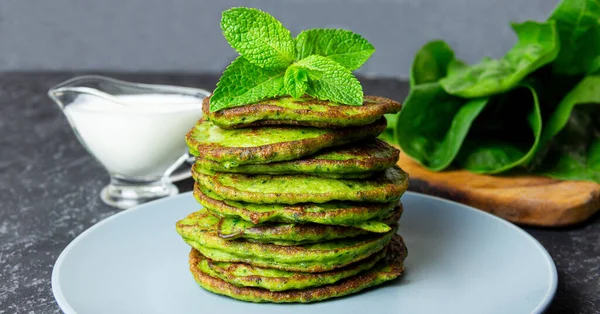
[49, 194]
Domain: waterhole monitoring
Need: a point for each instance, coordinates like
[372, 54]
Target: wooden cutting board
[530, 200]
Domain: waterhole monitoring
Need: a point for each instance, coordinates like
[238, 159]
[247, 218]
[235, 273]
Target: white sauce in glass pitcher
[140, 137]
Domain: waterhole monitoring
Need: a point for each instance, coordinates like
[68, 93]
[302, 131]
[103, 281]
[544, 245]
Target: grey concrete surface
[49, 190]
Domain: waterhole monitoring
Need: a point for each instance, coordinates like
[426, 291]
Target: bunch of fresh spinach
[536, 110]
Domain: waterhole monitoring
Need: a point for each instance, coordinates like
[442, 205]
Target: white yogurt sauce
[141, 137]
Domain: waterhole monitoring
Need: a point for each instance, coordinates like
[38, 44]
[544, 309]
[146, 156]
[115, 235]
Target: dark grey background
[184, 35]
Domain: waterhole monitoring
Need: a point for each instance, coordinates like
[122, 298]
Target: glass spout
[108, 89]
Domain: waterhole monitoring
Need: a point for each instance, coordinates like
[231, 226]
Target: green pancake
[316, 257]
[303, 112]
[293, 189]
[332, 213]
[358, 160]
[270, 144]
[386, 269]
[246, 275]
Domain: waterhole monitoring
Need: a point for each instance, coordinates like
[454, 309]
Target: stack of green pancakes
[300, 200]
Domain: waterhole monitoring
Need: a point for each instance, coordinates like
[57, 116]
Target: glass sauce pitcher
[136, 131]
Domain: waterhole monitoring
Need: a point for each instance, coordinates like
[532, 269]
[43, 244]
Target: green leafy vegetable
[585, 93]
[455, 66]
[296, 81]
[578, 23]
[243, 83]
[433, 134]
[388, 134]
[575, 153]
[317, 63]
[328, 80]
[258, 37]
[342, 46]
[537, 109]
[568, 165]
[498, 140]
[574, 131]
[489, 156]
[538, 45]
[431, 63]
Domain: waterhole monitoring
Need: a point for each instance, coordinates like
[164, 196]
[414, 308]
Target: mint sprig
[317, 63]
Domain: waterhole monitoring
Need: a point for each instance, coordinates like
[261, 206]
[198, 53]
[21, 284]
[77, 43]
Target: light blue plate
[460, 260]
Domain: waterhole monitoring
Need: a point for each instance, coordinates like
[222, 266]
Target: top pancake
[301, 112]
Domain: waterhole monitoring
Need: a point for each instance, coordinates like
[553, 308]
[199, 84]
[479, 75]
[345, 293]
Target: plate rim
[66, 307]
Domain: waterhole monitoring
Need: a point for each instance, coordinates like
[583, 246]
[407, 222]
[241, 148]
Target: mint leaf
[328, 80]
[342, 46]
[244, 83]
[296, 81]
[258, 37]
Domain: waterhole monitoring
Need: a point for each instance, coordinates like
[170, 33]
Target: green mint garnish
[318, 63]
[342, 46]
[245, 83]
[296, 81]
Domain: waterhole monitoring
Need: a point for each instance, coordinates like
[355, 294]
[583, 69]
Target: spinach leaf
[538, 45]
[455, 66]
[569, 166]
[433, 124]
[499, 140]
[575, 152]
[431, 63]
[586, 92]
[578, 23]
[388, 133]
[573, 134]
